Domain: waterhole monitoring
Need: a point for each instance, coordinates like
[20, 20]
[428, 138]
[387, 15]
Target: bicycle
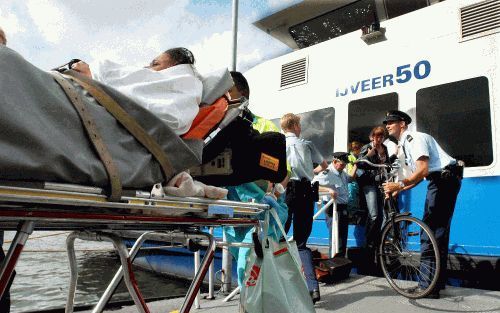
[410, 267]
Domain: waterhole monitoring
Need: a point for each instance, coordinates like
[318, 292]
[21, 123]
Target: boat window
[349, 18]
[458, 116]
[334, 23]
[395, 8]
[366, 113]
[318, 127]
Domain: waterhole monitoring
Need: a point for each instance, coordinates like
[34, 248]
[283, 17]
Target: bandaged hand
[82, 68]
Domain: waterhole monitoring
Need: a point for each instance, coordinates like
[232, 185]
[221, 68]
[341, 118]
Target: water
[42, 278]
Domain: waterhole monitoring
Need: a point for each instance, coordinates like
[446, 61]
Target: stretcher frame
[86, 211]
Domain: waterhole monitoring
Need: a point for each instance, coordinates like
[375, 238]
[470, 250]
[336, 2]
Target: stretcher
[25, 207]
[100, 137]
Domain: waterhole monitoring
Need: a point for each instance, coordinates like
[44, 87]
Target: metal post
[73, 271]
[227, 263]
[16, 247]
[110, 290]
[232, 294]
[198, 279]
[235, 35]
[211, 273]
[196, 269]
[128, 274]
[334, 244]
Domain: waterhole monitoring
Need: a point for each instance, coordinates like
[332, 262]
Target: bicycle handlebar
[373, 164]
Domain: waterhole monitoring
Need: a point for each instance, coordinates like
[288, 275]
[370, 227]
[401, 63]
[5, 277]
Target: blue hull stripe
[474, 226]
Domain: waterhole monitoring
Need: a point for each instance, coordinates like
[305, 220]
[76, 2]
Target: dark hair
[241, 84]
[378, 129]
[181, 55]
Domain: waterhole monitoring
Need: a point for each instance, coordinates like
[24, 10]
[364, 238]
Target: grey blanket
[42, 138]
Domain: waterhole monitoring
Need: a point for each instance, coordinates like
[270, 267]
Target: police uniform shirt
[301, 154]
[337, 181]
[417, 144]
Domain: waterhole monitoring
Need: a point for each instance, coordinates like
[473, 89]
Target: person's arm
[284, 183]
[82, 68]
[321, 167]
[420, 173]
[329, 190]
[351, 174]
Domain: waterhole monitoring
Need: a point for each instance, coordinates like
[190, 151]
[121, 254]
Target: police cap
[341, 156]
[397, 116]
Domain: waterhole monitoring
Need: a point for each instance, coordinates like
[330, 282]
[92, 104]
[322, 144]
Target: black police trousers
[440, 202]
[300, 202]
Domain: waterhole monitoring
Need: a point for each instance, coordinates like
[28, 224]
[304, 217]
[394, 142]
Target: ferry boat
[436, 60]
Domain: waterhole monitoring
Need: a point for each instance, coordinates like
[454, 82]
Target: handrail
[383, 165]
[334, 238]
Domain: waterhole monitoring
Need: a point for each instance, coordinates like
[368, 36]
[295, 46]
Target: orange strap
[207, 119]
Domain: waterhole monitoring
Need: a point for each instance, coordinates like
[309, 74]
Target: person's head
[340, 159]
[355, 147]
[3, 38]
[291, 123]
[396, 123]
[240, 88]
[172, 57]
[377, 135]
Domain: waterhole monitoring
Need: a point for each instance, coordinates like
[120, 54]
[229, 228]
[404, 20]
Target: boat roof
[278, 23]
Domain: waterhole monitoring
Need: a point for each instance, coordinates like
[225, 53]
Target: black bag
[253, 155]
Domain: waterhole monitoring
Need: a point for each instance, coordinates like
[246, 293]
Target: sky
[49, 33]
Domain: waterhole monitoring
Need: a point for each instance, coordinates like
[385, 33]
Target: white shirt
[417, 144]
[337, 181]
[394, 149]
[301, 154]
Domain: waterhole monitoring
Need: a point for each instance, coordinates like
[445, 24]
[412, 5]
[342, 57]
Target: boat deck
[360, 294]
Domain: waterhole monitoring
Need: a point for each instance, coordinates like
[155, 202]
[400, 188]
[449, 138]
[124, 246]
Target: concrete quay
[359, 294]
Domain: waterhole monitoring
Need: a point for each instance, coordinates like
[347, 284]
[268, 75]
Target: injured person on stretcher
[44, 137]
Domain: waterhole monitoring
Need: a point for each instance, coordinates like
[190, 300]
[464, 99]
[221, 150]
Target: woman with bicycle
[370, 182]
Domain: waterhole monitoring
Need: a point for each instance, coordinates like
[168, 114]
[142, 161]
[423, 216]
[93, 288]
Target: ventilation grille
[480, 19]
[294, 73]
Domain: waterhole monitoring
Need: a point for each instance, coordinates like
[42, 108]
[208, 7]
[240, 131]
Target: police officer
[300, 195]
[335, 181]
[428, 160]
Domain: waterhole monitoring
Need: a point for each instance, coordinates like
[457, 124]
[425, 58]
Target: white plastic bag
[275, 283]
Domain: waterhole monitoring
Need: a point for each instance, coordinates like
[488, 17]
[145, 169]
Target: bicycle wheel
[409, 256]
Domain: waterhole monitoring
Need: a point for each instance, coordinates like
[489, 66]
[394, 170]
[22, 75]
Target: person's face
[356, 149]
[234, 93]
[377, 137]
[339, 165]
[161, 62]
[395, 128]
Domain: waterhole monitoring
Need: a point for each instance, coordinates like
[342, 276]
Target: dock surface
[359, 294]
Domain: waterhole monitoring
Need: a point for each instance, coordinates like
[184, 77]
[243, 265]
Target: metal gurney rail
[29, 207]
